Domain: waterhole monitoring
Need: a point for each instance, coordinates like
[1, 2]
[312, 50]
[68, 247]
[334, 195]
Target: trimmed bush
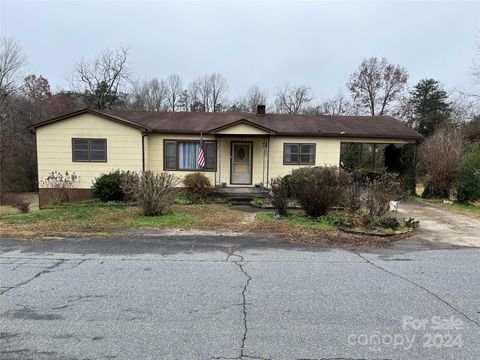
[467, 184]
[317, 189]
[107, 187]
[197, 187]
[279, 194]
[156, 192]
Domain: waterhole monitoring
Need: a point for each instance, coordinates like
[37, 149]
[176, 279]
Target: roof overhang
[117, 119]
[227, 128]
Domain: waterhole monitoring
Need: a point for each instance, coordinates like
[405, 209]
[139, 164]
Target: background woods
[106, 81]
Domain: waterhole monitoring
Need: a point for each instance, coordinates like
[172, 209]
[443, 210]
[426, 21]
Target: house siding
[327, 152]
[124, 150]
[54, 147]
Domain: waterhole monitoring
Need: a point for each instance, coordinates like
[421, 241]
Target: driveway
[441, 226]
[236, 297]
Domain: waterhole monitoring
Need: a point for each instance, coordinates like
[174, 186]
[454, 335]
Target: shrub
[279, 194]
[197, 187]
[467, 184]
[317, 189]
[389, 223]
[61, 187]
[412, 223]
[156, 192]
[441, 154]
[352, 185]
[23, 206]
[129, 184]
[380, 192]
[107, 187]
[257, 202]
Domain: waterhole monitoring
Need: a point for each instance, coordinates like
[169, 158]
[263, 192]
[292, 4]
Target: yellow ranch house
[242, 150]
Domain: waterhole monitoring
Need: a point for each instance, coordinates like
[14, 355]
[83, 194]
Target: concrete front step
[241, 195]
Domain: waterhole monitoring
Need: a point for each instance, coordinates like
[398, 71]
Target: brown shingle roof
[281, 124]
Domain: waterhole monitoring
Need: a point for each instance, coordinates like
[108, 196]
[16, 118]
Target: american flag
[201, 154]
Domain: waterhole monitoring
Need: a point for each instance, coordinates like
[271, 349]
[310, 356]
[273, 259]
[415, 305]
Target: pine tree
[430, 107]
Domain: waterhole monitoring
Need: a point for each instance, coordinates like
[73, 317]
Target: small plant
[390, 223]
[257, 202]
[156, 192]
[197, 187]
[61, 188]
[317, 189]
[23, 206]
[107, 187]
[338, 218]
[279, 194]
[412, 223]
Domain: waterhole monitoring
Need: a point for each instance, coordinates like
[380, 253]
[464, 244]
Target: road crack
[44, 271]
[473, 321]
[240, 263]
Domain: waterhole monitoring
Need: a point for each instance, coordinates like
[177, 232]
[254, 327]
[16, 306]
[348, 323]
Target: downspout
[268, 160]
[143, 151]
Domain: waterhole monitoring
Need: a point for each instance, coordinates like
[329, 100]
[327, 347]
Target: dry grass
[10, 198]
[320, 236]
[90, 218]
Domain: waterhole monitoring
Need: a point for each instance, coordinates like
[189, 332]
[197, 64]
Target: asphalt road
[204, 297]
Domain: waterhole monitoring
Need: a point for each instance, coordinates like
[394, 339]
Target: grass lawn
[96, 218]
[298, 220]
[93, 218]
[466, 209]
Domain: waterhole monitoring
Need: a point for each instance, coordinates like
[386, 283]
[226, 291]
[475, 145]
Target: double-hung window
[183, 155]
[299, 154]
[89, 150]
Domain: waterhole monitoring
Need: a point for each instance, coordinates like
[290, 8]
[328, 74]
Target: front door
[241, 163]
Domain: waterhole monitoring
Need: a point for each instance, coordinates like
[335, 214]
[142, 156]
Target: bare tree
[255, 96]
[150, 95]
[174, 91]
[101, 78]
[12, 61]
[337, 105]
[293, 99]
[441, 154]
[377, 84]
[219, 91]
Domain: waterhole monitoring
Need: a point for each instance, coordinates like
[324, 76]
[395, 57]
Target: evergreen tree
[430, 107]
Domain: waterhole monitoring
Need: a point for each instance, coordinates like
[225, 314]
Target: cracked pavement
[241, 297]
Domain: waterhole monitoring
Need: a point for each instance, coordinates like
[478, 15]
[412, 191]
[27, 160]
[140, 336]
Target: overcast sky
[265, 43]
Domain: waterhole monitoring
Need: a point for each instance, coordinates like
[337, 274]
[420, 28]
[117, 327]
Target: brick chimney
[261, 110]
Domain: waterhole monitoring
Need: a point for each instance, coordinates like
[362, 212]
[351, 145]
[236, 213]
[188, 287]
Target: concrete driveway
[236, 297]
[441, 226]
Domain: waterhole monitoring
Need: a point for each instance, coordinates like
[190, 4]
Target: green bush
[317, 188]
[467, 184]
[107, 187]
[279, 194]
[197, 187]
[156, 192]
